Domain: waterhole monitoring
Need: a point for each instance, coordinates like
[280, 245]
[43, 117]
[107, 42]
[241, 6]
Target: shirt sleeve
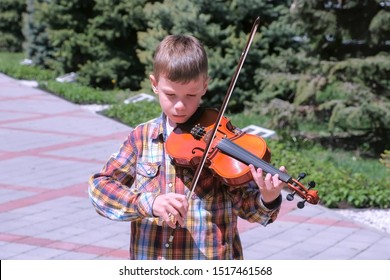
[111, 191]
[249, 205]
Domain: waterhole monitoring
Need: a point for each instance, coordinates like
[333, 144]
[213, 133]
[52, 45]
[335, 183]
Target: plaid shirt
[127, 185]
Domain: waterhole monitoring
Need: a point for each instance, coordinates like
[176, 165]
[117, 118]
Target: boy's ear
[153, 82]
[206, 85]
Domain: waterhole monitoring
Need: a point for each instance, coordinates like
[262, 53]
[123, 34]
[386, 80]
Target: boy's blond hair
[180, 58]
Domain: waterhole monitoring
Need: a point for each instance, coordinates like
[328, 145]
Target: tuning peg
[301, 176]
[301, 204]
[290, 196]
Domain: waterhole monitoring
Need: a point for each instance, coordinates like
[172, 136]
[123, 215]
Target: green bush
[80, 94]
[339, 185]
[74, 92]
[10, 63]
[133, 114]
[379, 27]
[372, 71]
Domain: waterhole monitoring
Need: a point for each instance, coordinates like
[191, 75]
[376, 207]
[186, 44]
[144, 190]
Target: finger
[167, 218]
[282, 168]
[183, 208]
[268, 180]
[275, 180]
[180, 212]
[179, 219]
[254, 170]
[176, 209]
[257, 175]
[175, 216]
[164, 204]
[180, 204]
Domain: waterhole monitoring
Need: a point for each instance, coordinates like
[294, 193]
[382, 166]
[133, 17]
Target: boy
[142, 185]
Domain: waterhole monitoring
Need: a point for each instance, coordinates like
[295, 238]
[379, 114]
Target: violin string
[246, 157]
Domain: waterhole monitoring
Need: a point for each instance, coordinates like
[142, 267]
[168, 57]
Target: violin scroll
[308, 194]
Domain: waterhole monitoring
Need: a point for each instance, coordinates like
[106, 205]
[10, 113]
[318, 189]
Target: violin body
[187, 149]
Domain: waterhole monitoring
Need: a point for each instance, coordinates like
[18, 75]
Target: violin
[231, 152]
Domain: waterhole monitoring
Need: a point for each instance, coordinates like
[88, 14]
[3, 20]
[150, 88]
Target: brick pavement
[49, 148]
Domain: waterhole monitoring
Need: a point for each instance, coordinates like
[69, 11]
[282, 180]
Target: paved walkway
[49, 148]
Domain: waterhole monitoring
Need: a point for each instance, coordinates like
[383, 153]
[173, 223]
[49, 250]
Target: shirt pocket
[147, 177]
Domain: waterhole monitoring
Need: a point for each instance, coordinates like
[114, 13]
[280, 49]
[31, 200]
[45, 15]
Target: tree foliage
[338, 29]
[223, 27]
[337, 83]
[110, 43]
[39, 47]
[96, 38]
[11, 35]
[316, 69]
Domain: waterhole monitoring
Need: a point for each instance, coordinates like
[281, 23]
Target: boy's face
[179, 101]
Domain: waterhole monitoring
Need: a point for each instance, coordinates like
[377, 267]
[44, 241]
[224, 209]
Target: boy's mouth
[180, 118]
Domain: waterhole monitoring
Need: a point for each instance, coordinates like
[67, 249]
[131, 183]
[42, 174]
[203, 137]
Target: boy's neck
[170, 126]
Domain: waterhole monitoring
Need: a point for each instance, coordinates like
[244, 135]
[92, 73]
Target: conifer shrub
[11, 35]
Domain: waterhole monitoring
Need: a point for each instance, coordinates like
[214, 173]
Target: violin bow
[219, 118]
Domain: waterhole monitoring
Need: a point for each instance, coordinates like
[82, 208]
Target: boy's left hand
[270, 186]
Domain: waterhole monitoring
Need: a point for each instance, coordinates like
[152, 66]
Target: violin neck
[232, 149]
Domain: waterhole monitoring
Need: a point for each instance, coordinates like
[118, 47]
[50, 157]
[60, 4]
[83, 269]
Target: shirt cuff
[273, 204]
[145, 204]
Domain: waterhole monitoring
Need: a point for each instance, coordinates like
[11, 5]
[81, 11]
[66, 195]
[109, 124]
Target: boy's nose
[180, 105]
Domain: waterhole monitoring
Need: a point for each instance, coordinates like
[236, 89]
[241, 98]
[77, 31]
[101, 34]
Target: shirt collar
[159, 128]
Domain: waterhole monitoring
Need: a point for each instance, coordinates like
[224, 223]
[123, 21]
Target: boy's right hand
[171, 207]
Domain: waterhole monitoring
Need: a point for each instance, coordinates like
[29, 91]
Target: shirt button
[170, 185]
[148, 172]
